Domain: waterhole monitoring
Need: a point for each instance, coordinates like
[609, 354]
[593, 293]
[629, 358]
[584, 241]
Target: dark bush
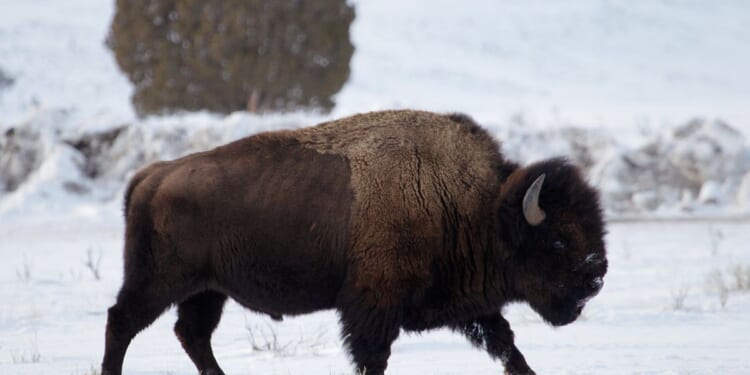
[228, 55]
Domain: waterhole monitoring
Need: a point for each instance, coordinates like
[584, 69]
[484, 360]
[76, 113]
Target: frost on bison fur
[398, 220]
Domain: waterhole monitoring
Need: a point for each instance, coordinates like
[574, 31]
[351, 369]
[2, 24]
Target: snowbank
[701, 167]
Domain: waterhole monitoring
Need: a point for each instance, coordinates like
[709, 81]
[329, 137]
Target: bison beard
[398, 220]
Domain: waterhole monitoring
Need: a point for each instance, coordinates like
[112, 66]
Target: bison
[399, 220]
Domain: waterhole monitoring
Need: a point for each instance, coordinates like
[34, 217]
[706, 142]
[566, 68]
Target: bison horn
[531, 210]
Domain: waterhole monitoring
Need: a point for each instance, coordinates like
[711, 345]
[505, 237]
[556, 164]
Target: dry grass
[732, 280]
[264, 337]
[678, 298]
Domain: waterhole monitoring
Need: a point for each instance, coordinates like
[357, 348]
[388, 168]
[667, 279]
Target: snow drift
[700, 167]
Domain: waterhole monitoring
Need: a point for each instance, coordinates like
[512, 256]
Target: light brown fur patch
[409, 170]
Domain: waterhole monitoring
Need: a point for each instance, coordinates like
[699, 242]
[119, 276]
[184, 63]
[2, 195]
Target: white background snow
[615, 85]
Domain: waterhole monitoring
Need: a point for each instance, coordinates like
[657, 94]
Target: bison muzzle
[398, 220]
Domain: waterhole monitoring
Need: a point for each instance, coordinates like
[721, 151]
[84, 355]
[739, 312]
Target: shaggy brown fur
[399, 220]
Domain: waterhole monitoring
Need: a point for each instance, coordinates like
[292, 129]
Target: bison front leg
[493, 333]
[368, 334]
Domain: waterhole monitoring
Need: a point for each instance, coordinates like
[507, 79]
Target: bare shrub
[264, 337]
[27, 356]
[715, 282]
[93, 265]
[678, 298]
[716, 236]
[741, 276]
[24, 273]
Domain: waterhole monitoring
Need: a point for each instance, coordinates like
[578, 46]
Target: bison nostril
[595, 284]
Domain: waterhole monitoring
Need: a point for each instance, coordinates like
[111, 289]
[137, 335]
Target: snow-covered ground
[660, 312]
[612, 84]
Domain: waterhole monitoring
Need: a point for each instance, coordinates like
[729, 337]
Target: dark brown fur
[399, 220]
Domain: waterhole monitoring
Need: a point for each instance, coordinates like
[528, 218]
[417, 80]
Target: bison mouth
[563, 311]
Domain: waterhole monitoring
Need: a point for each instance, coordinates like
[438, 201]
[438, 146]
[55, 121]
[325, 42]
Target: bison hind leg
[136, 308]
[198, 316]
[143, 297]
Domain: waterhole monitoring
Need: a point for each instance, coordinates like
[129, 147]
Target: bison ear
[531, 211]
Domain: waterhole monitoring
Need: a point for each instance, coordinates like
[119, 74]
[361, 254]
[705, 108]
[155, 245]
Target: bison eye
[558, 245]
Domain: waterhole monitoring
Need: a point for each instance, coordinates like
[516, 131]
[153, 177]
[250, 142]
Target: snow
[646, 97]
[650, 98]
[591, 63]
[59, 311]
[55, 53]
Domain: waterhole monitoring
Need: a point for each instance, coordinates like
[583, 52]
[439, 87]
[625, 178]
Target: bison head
[551, 220]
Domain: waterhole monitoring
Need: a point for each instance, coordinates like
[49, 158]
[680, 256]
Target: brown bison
[398, 220]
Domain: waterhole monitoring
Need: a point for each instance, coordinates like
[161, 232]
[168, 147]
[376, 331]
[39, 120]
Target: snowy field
[615, 85]
[660, 312]
[592, 63]
[611, 84]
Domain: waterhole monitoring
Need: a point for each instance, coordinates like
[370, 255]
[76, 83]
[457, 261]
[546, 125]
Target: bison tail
[129, 191]
[134, 182]
[138, 228]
